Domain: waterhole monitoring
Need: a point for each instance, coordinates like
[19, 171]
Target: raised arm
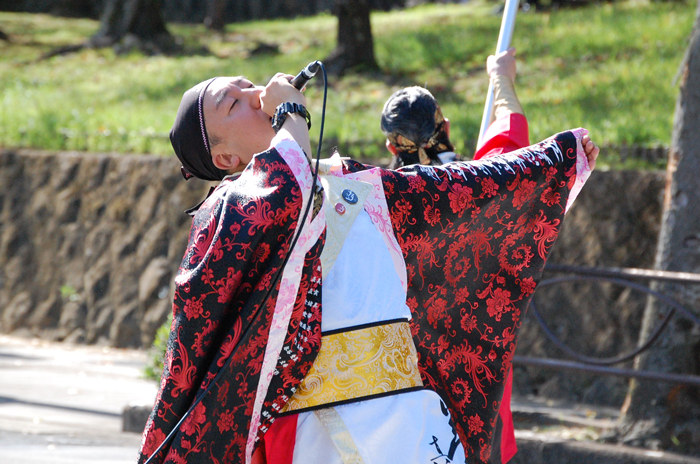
[501, 69]
[509, 130]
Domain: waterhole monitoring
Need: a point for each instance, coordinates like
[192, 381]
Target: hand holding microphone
[277, 91]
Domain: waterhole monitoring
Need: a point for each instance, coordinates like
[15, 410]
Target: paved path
[62, 404]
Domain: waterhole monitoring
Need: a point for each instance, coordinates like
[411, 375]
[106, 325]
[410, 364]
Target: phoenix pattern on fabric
[237, 243]
[473, 269]
[474, 237]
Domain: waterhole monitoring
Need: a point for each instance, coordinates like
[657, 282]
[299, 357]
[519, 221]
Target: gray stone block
[134, 418]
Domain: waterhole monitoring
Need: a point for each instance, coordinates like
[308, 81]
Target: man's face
[233, 115]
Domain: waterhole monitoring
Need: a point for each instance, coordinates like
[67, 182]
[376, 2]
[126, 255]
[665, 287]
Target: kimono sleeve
[507, 133]
[237, 243]
[475, 237]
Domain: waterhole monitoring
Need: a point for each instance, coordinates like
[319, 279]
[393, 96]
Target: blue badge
[350, 196]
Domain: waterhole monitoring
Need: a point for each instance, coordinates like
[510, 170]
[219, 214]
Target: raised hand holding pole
[504, 38]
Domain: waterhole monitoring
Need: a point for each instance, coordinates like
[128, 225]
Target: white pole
[504, 38]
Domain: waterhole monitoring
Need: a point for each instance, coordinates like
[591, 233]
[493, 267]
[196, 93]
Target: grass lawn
[609, 68]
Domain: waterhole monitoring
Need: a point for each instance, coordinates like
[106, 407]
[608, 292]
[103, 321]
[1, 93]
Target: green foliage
[69, 293]
[608, 68]
[156, 355]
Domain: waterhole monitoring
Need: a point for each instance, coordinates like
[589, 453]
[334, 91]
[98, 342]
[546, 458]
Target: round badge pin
[340, 208]
[349, 196]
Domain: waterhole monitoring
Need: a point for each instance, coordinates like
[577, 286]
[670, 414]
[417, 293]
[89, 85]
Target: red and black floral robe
[474, 238]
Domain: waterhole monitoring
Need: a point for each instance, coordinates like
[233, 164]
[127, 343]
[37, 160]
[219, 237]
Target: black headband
[189, 136]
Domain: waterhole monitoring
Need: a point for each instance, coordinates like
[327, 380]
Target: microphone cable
[213, 382]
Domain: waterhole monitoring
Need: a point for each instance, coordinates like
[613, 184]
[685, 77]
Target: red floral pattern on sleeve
[237, 243]
[475, 236]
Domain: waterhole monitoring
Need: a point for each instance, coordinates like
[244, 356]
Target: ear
[226, 161]
[391, 147]
[447, 127]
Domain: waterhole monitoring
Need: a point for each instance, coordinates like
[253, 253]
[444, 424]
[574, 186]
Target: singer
[389, 335]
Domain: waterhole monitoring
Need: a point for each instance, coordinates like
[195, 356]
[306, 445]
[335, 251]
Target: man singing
[389, 333]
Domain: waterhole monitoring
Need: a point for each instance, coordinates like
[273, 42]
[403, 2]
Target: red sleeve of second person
[504, 135]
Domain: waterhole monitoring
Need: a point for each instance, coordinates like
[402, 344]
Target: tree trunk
[666, 415]
[215, 15]
[355, 48]
[129, 24]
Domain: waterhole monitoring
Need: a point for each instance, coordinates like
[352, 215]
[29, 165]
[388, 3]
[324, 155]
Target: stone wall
[89, 245]
[614, 223]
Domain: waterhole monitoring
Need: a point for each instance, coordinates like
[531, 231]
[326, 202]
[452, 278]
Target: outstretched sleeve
[475, 237]
[509, 132]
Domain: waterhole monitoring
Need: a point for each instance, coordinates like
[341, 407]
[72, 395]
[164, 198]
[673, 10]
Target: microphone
[305, 75]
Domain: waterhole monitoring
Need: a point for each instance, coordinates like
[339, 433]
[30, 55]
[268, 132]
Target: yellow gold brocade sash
[355, 364]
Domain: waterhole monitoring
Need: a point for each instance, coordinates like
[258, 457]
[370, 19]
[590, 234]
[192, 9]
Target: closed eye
[250, 86]
[225, 93]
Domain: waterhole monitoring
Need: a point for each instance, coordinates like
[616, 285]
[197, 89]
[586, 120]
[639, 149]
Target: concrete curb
[533, 448]
[538, 449]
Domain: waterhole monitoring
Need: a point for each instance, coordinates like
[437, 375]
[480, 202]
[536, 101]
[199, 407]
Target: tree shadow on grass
[170, 46]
